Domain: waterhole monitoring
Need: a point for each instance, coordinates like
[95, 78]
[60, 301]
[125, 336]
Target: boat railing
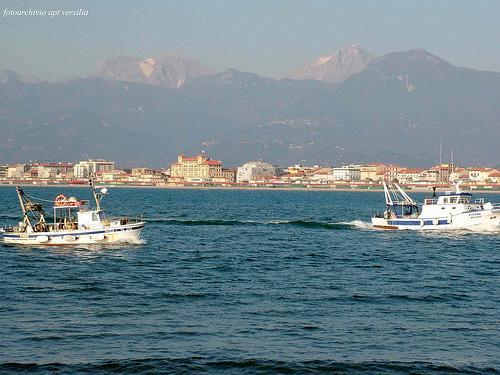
[479, 201]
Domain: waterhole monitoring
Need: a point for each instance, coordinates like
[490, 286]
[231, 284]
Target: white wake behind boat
[450, 211]
[74, 222]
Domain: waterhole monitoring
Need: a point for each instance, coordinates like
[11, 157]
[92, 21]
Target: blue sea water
[251, 282]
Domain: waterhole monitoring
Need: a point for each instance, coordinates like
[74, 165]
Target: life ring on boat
[435, 221]
[60, 200]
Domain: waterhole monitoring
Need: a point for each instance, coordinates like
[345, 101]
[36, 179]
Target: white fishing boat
[74, 222]
[450, 211]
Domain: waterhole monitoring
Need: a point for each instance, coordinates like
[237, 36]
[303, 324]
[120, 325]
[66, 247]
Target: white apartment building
[254, 170]
[408, 175]
[480, 174]
[324, 174]
[346, 173]
[82, 169]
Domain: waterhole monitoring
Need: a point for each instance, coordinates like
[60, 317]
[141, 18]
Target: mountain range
[167, 71]
[336, 67]
[353, 107]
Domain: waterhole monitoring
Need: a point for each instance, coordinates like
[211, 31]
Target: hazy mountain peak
[336, 67]
[418, 54]
[167, 70]
[230, 78]
[412, 56]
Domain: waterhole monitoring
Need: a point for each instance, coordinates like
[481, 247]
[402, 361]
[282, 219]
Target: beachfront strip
[200, 170]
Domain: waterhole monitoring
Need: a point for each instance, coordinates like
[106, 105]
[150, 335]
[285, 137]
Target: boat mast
[452, 165]
[26, 220]
[388, 198]
[97, 198]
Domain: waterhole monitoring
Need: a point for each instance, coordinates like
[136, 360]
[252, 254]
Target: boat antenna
[452, 167]
[92, 188]
[97, 195]
[440, 176]
[441, 150]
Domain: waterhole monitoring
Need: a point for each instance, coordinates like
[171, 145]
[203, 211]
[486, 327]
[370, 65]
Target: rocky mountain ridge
[337, 67]
[172, 71]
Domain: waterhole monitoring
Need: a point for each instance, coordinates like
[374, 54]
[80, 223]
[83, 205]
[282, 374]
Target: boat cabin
[90, 219]
[452, 198]
[451, 203]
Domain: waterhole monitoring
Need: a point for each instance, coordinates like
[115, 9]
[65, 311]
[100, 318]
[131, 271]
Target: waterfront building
[3, 171]
[115, 175]
[225, 176]
[408, 175]
[295, 178]
[438, 174]
[255, 170]
[53, 170]
[142, 171]
[82, 169]
[147, 175]
[479, 174]
[459, 174]
[299, 169]
[391, 172]
[445, 171]
[494, 178]
[195, 169]
[371, 172]
[346, 173]
[324, 175]
[430, 175]
[14, 171]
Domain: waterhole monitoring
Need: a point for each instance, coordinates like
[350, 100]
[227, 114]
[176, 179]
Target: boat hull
[480, 220]
[122, 233]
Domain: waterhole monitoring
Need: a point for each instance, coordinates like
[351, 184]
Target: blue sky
[270, 37]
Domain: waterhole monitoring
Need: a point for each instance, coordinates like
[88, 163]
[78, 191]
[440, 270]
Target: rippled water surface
[251, 282]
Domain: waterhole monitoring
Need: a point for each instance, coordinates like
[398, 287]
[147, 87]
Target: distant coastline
[358, 189]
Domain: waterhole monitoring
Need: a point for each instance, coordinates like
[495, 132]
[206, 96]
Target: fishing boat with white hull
[74, 222]
[450, 211]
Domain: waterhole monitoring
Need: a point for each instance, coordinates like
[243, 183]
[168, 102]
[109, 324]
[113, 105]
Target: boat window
[463, 200]
[453, 200]
[445, 200]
